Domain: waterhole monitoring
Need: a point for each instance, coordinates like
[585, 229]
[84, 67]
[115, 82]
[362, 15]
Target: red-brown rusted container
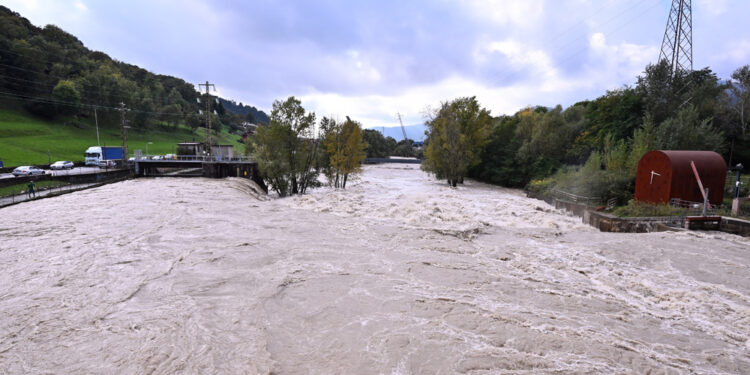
[663, 175]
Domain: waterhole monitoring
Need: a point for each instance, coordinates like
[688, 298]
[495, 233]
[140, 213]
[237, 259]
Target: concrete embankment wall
[610, 223]
[736, 226]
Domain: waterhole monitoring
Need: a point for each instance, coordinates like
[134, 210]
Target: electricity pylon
[207, 99]
[677, 45]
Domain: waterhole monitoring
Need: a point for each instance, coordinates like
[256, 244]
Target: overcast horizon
[371, 60]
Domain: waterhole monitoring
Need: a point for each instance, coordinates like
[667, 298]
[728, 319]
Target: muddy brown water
[399, 274]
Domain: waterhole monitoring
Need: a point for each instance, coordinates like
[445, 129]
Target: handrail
[195, 158]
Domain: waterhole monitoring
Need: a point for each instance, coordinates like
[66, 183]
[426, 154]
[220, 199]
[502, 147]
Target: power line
[569, 56]
[576, 52]
[21, 87]
[84, 105]
[89, 87]
[121, 93]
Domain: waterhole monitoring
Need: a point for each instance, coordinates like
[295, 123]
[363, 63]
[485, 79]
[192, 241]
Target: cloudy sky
[372, 59]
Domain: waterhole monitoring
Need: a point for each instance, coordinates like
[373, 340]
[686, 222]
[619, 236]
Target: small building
[222, 152]
[219, 152]
[190, 148]
[663, 175]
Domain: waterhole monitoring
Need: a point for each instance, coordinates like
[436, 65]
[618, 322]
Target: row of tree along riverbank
[589, 149]
[592, 148]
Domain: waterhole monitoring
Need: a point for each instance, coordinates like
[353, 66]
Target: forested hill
[250, 113]
[50, 73]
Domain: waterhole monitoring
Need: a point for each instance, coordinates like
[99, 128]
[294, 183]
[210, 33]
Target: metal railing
[197, 158]
[25, 196]
[574, 198]
[77, 182]
[696, 208]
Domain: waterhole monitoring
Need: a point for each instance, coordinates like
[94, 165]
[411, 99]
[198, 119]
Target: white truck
[96, 154]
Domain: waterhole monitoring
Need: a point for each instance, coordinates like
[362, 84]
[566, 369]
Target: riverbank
[607, 222]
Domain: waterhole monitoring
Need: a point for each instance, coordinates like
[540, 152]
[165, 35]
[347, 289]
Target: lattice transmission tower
[677, 45]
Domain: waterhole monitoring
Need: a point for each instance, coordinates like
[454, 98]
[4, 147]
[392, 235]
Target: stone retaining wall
[736, 226]
[606, 222]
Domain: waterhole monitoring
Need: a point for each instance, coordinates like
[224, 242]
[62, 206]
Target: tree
[285, 150]
[250, 117]
[659, 89]
[171, 114]
[67, 95]
[740, 88]
[456, 134]
[175, 97]
[378, 146]
[687, 132]
[737, 102]
[499, 164]
[618, 112]
[404, 148]
[193, 121]
[346, 149]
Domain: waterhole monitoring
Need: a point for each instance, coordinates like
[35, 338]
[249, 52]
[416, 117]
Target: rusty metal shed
[663, 175]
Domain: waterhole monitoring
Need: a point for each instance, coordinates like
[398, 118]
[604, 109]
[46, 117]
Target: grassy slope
[27, 140]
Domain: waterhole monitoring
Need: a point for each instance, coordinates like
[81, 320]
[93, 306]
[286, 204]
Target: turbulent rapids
[398, 274]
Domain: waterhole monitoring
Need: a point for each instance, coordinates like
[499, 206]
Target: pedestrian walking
[31, 191]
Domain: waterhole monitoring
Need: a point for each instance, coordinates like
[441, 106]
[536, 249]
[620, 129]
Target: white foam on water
[397, 274]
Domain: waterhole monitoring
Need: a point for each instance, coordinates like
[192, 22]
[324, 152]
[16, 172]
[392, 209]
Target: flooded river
[399, 274]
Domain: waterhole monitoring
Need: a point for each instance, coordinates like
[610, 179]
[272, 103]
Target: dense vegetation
[51, 75]
[592, 148]
[249, 113]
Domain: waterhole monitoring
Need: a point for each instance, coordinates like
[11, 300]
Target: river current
[397, 274]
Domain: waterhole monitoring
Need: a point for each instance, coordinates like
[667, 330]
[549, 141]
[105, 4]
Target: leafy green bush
[589, 180]
[641, 209]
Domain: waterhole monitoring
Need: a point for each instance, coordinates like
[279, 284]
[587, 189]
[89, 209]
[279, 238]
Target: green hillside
[25, 139]
[51, 84]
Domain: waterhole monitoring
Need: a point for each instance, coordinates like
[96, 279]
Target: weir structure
[192, 166]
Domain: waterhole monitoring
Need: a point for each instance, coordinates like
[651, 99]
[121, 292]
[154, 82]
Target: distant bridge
[396, 160]
[199, 167]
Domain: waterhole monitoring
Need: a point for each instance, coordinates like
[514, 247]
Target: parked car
[170, 157]
[157, 157]
[61, 165]
[107, 164]
[26, 170]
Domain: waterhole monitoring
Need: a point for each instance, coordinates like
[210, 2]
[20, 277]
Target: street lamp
[150, 143]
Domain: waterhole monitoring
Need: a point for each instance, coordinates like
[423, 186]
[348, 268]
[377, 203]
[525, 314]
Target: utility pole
[124, 130]
[207, 99]
[677, 45]
[96, 121]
